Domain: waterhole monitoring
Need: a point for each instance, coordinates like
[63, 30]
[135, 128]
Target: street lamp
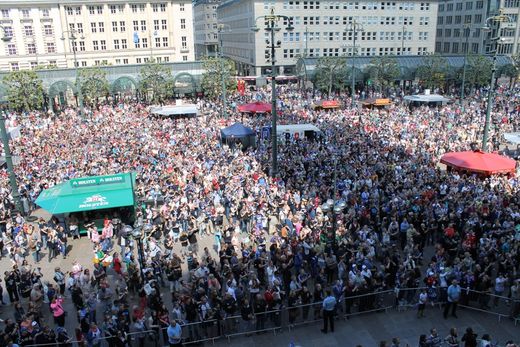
[220, 29]
[333, 206]
[271, 25]
[72, 38]
[490, 22]
[353, 27]
[7, 150]
[466, 30]
[137, 235]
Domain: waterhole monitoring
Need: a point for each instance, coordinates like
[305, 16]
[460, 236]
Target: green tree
[478, 71]
[384, 70]
[433, 71]
[216, 69]
[157, 79]
[510, 71]
[24, 90]
[93, 83]
[330, 73]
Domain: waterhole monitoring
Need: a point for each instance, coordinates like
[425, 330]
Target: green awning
[89, 193]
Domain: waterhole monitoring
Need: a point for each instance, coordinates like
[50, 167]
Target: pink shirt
[57, 309]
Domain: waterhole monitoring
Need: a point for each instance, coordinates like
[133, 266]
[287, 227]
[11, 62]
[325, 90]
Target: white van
[298, 131]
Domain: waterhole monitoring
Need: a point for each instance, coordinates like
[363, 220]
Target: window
[449, 8]
[53, 63]
[28, 30]
[155, 24]
[99, 9]
[146, 60]
[124, 44]
[480, 4]
[184, 58]
[441, 7]
[144, 40]
[113, 9]
[164, 26]
[5, 13]
[134, 8]
[45, 12]
[458, 19]
[122, 27]
[183, 23]
[50, 47]
[80, 28]
[155, 7]
[143, 25]
[92, 10]
[11, 49]
[14, 67]
[114, 26]
[424, 21]
[184, 42]
[31, 48]
[101, 27]
[455, 47]
[47, 29]
[163, 7]
[138, 60]
[118, 61]
[70, 11]
[166, 59]
[25, 13]
[116, 44]
[95, 45]
[74, 46]
[93, 27]
[181, 7]
[446, 47]
[165, 42]
[34, 64]
[469, 6]
[82, 46]
[125, 61]
[103, 45]
[83, 63]
[157, 42]
[458, 7]
[136, 25]
[478, 18]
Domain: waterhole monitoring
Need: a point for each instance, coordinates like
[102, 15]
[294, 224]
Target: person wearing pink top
[57, 311]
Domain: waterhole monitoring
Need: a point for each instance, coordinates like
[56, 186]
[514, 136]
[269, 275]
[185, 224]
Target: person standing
[469, 338]
[57, 311]
[423, 298]
[59, 278]
[329, 305]
[174, 334]
[452, 300]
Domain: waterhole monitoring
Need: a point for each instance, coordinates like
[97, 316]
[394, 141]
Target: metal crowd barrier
[276, 320]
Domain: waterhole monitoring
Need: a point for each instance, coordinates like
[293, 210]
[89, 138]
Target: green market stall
[91, 199]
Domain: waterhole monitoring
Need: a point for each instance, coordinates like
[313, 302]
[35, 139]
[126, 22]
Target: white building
[45, 32]
[205, 27]
[321, 29]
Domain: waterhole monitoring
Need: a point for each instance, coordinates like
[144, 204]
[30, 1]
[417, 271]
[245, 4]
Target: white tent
[186, 110]
[513, 138]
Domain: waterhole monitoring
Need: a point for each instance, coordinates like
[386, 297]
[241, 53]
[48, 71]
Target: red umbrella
[478, 161]
[255, 107]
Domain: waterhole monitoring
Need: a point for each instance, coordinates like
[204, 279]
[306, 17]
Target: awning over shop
[377, 102]
[326, 104]
[89, 193]
[480, 162]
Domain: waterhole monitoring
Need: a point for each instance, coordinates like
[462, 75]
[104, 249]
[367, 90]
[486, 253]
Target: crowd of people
[403, 223]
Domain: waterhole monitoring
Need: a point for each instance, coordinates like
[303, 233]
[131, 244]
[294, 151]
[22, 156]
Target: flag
[136, 37]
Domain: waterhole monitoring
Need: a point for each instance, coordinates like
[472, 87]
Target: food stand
[376, 103]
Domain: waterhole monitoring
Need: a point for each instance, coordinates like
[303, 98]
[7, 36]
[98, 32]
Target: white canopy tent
[513, 138]
[186, 110]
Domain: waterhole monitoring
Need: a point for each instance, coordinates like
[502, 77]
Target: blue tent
[238, 133]
[236, 130]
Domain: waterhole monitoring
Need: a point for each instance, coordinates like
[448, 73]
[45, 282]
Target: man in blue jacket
[453, 299]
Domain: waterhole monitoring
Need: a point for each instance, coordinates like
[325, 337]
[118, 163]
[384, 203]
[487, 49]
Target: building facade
[460, 27]
[323, 28]
[205, 27]
[68, 33]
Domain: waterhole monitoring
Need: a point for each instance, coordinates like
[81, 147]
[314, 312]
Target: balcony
[184, 50]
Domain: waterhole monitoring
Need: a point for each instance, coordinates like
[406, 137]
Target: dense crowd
[274, 245]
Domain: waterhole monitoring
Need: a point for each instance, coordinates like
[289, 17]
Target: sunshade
[327, 104]
[255, 107]
[236, 130]
[175, 110]
[89, 193]
[478, 161]
[513, 138]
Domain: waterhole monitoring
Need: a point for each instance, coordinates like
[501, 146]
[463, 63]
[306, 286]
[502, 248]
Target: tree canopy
[330, 73]
[156, 79]
[478, 73]
[384, 71]
[93, 83]
[24, 90]
[216, 70]
[433, 71]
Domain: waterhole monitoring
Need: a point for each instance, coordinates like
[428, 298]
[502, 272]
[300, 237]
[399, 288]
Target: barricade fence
[282, 317]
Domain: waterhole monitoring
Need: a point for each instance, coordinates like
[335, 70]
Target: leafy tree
[510, 71]
[330, 73]
[216, 69]
[93, 83]
[384, 70]
[433, 71]
[478, 71]
[24, 90]
[156, 78]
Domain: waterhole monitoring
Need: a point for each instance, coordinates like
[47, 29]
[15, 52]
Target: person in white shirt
[423, 298]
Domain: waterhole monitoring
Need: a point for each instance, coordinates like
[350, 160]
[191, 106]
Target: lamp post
[354, 27]
[333, 206]
[7, 149]
[220, 29]
[72, 38]
[490, 22]
[271, 25]
[402, 40]
[137, 235]
[466, 30]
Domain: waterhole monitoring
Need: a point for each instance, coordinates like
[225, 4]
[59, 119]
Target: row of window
[315, 5]
[463, 33]
[477, 19]
[363, 20]
[469, 6]
[50, 47]
[364, 51]
[348, 36]
[456, 47]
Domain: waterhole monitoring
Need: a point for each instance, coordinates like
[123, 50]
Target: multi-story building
[46, 32]
[460, 27]
[205, 27]
[321, 28]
